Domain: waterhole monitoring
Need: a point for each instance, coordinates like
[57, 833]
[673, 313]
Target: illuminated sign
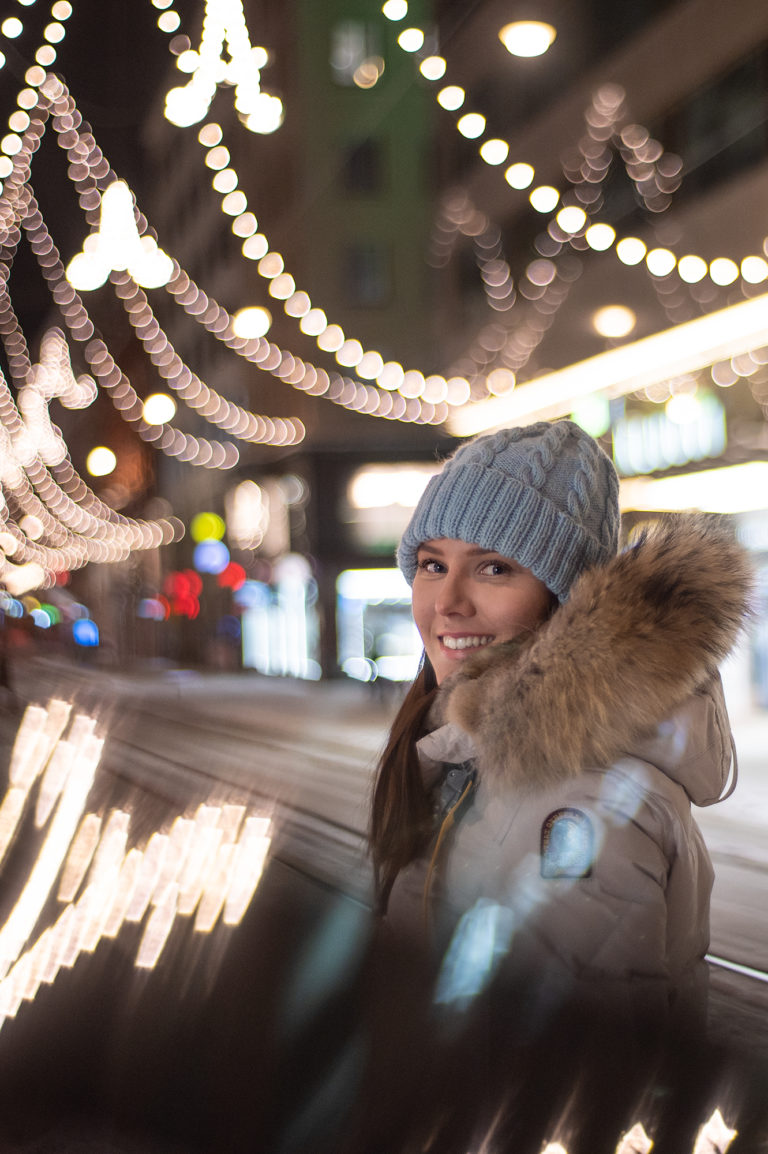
[643, 444]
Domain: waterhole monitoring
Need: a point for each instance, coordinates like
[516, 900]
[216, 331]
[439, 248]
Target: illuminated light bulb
[11, 144]
[723, 271]
[217, 157]
[527, 37]
[350, 353]
[457, 391]
[61, 10]
[435, 389]
[411, 39]
[370, 365]
[168, 21]
[35, 76]
[660, 261]
[571, 219]
[614, 321]
[27, 98]
[369, 73]
[314, 323]
[245, 225]
[117, 245]
[451, 97]
[234, 203]
[500, 381]
[255, 247]
[45, 55]
[541, 272]
[331, 338]
[600, 237]
[251, 322]
[12, 27]
[31, 527]
[754, 269]
[494, 151]
[188, 61]
[54, 33]
[282, 287]
[298, 305]
[395, 9]
[433, 68]
[101, 461]
[471, 125]
[544, 198]
[159, 409]
[691, 269]
[412, 385]
[519, 175]
[18, 121]
[225, 180]
[267, 115]
[630, 250]
[210, 135]
[271, 265]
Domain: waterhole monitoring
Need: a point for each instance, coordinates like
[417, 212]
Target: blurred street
[190, 1041]
[310, 749]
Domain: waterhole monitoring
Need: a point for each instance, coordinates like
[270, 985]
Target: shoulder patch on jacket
[567, 844]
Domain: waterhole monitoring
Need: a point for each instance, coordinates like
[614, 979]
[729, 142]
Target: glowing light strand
[654, 181]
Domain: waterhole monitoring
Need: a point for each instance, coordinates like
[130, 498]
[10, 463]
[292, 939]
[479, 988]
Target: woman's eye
[429, 565]
[496, 568]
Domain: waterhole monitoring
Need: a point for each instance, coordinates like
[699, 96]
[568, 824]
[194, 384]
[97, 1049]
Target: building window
[367, 274]
[362, 167]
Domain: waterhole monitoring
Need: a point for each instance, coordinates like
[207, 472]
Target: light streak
[208, 865]
[672, 352]
[737, 968]
[635, 1141]
[714, 1137]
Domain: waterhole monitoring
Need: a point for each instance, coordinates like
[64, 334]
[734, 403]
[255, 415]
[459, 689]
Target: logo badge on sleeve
[567, 844]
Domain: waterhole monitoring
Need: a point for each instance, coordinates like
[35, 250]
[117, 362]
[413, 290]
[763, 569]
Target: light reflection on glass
[208, 865]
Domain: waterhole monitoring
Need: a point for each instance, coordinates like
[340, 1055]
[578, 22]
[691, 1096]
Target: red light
[233, 577]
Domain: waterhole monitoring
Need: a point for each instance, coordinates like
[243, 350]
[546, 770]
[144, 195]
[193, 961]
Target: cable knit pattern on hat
[545, 494]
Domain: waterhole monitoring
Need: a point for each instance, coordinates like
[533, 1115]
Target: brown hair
[401, 814]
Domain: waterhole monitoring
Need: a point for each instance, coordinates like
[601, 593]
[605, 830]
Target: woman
[532, 808]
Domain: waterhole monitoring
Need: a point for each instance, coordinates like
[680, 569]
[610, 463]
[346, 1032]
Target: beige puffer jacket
[574, 855]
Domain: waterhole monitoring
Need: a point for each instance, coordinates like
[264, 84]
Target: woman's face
[465, 597]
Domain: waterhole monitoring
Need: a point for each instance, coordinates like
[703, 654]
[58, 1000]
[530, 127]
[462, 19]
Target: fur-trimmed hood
[635, 640]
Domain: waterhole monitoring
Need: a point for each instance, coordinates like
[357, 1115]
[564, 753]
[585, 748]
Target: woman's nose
[453, 597]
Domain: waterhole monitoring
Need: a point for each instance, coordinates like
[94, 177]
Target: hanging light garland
[655, 173]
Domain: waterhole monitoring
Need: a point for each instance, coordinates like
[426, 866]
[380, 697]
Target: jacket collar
[636, 639]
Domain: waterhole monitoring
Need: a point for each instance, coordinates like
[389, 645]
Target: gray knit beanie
[544, 494]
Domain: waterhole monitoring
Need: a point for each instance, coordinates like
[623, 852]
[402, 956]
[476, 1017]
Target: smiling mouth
[466, 642]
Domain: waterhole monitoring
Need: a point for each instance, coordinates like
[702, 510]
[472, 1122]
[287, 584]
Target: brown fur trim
[634, 639]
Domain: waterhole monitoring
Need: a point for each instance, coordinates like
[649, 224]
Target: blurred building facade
[650, 118]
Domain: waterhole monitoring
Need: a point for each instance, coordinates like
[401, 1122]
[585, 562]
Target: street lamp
[527, 37]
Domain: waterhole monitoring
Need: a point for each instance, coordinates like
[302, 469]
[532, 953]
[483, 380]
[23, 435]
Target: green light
[593, 415]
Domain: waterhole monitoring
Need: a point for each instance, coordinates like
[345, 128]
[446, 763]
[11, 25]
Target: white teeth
[466, 642]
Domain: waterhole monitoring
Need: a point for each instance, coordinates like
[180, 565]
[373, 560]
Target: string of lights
[656, 174]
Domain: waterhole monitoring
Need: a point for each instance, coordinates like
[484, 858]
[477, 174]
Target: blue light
[86, 633]
[211, 556]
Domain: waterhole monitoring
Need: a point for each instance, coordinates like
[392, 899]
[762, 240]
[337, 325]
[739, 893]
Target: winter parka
[563, 769]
